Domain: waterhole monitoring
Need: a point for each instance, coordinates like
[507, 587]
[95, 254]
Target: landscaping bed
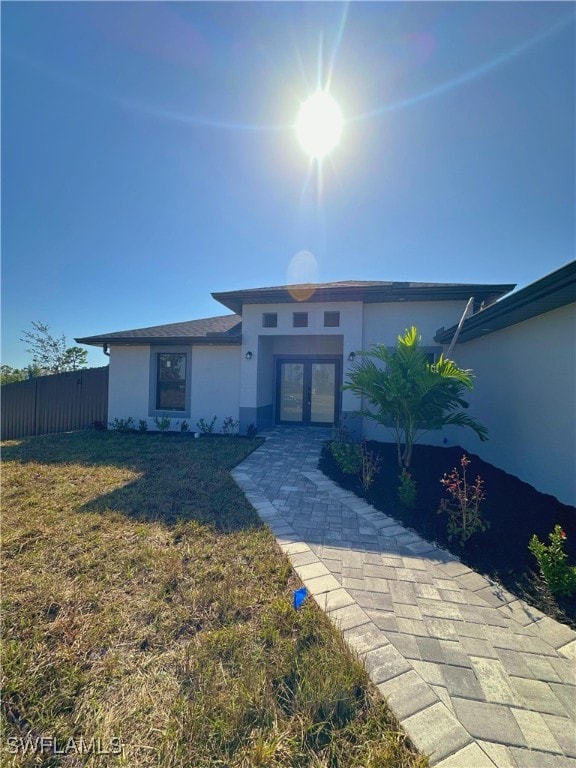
[514, 510]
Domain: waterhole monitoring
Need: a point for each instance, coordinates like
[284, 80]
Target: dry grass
[143, 601]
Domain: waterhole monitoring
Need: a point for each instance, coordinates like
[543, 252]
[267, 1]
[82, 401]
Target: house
[283, 354]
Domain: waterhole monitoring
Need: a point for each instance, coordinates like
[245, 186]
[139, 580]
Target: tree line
[50, 355]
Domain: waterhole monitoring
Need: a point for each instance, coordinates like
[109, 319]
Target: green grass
[144, 601]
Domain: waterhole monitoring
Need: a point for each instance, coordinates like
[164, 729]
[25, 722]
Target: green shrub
[348, 456]
[163, 423]
[184, 426]
[230, 426]
[143, 425]
[406, 490]
[206, 427]
[553, 562]
[123, 425]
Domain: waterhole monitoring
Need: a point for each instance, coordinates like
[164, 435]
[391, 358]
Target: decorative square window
[171, 381]
[331, 319]
[269, 320]
[300, 320]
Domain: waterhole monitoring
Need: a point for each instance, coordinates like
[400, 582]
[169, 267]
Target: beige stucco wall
[525, 394]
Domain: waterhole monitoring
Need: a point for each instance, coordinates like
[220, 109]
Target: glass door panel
[292, 392]
[322, 393]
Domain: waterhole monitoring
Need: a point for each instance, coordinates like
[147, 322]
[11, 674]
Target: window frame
[333, 314]
[269, 319]
[301, 315]
[153, 409]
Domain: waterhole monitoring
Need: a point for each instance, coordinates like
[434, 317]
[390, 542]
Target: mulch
[514, 510]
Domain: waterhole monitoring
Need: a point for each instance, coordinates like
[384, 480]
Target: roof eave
[98, 341]
[234, 300]
[558, 289]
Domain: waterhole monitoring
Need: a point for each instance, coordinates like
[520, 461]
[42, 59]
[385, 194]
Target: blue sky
[148, 154]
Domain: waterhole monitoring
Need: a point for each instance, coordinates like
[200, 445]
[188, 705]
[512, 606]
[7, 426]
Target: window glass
[171, 385]
[331, 319]
[300, 320]
[269, 320]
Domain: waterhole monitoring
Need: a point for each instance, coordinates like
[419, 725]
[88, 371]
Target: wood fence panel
[60, 403]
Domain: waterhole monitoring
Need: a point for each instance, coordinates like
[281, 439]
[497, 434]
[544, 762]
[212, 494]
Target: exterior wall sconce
[351, 357]
[248, 355]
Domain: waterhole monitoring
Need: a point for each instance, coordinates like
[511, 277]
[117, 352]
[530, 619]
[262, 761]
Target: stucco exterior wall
[383, 323]
[257, 390]
[525, 395]
[213, 389]
[128, 382]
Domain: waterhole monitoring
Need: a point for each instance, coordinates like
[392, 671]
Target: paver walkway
[476, 677]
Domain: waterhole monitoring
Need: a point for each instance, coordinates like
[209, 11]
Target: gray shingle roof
[225, 329]
[368, 291]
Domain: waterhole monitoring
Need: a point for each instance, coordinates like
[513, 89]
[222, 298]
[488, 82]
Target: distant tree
[51, 355]
[8, 374]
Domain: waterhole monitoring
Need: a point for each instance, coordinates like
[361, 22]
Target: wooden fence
[59, 403]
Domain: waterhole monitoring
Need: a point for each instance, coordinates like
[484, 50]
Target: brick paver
[475, 676]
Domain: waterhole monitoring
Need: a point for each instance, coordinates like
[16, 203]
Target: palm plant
[409, 396]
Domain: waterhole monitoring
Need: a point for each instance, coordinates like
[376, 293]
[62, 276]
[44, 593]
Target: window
[300, 320]
[171, 382]
[269, 320]
[430, 357]
[331, 319]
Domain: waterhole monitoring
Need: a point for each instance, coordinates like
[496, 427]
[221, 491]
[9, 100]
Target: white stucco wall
[215, 384]
[128, 382]
[383, 323]
[213, 390]
[256, 384]
[525, 394]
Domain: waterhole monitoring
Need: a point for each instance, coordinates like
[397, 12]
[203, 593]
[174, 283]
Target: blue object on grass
[299, 597]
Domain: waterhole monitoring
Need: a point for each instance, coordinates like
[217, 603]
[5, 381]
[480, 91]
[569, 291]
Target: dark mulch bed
[514, 509]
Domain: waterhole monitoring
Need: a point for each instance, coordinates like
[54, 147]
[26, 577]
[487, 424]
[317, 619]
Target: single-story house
[284, 352]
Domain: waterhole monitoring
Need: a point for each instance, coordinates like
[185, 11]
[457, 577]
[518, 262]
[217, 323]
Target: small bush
[553, 562]
[348, 456]
[251, 430]
[464, 508]
[184, 426]
[143, 425]
[406, 490]
[123, 425]
[162, 423]
[369, 468]
[206, 427]
[230, 426]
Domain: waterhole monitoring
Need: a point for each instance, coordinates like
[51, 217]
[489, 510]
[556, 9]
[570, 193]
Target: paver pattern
[475, 676]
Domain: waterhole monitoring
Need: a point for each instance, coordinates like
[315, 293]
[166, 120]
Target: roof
[551, 292]
[362, 290]
[225, 329]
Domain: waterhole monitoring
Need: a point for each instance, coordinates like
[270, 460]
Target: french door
[307, 391]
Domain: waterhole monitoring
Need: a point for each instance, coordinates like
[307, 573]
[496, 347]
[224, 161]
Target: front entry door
[307, 391]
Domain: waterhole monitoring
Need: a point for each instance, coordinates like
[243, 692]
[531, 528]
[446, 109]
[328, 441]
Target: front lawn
[147, 614]
[514, 509]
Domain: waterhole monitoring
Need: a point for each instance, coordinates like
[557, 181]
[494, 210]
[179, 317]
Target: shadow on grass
[179, 478]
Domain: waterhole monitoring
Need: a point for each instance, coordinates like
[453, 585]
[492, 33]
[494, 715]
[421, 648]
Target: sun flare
[319, 125]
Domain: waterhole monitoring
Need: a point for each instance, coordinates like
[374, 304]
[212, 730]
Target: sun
[319, 125]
